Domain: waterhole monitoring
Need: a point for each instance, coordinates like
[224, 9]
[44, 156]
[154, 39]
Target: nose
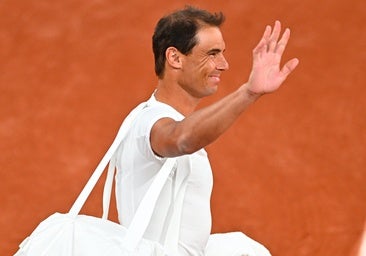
[221, 63]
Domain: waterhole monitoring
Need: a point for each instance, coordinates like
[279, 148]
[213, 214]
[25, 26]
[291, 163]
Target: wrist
[253, 96]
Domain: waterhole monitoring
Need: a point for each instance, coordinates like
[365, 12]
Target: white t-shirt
[136, 167]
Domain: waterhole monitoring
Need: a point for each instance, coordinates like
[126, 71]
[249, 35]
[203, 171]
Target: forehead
[210, 38]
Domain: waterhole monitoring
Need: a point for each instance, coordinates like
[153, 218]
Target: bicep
[166, 138]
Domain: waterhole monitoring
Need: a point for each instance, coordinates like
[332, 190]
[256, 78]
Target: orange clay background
[290, 173]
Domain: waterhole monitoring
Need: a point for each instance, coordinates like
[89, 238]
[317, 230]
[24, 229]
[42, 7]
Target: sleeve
[143, 125]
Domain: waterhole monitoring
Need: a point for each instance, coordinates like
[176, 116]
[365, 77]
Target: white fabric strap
[146, 208]
[172, 234]
[80, 201]
[108, 187]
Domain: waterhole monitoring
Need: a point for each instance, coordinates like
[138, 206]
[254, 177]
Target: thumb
[289, 66]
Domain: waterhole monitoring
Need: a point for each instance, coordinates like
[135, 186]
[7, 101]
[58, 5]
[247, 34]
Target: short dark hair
[179, 30]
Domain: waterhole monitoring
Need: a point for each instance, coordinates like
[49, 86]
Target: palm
[266, 75]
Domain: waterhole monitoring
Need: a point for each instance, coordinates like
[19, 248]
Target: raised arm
[170, 138]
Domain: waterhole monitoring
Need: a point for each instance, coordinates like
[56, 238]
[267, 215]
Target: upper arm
[167, 138]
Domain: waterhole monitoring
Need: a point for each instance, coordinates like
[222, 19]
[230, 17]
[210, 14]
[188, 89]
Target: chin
[211, 90]
[214, 88]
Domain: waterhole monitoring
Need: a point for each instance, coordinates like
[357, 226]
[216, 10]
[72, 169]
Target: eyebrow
[215, 50]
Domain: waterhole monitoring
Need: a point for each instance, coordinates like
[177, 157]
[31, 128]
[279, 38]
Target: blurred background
[290, 173]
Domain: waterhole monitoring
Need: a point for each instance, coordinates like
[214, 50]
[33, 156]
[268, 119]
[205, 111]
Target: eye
[213, 55]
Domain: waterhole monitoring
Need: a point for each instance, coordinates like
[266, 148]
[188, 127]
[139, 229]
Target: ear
[173, 57]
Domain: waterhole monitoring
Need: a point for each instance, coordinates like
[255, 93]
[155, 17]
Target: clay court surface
[290, 173]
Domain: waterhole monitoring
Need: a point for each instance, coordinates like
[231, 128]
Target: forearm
[205, 125]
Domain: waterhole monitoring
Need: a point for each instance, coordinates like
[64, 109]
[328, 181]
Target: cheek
[206, 66]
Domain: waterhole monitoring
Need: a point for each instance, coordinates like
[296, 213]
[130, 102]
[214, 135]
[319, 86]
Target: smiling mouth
[215, 78]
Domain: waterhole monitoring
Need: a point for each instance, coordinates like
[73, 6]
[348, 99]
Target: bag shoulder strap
[83, 196]
[145, 210]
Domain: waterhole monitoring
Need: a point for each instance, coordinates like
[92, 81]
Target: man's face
[201, 69]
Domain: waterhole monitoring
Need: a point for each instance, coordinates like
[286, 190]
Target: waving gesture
[267, 75]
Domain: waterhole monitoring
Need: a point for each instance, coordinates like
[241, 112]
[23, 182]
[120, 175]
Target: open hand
[266, 75]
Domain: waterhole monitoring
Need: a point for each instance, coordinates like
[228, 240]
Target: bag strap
[146, 208]
[83, 196]
[108, 187]
[172, 234]
[144, 212]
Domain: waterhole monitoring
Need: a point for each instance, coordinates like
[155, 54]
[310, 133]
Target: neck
[176, 97]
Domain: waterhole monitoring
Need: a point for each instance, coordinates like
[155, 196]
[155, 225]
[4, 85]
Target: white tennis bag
[71, 234]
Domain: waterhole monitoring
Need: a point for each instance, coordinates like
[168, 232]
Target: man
[189, 59]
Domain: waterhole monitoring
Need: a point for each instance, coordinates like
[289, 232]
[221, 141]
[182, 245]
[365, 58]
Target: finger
[289, 67]
[283, 42]
[274, 36]
[267, 32]
[262, 45]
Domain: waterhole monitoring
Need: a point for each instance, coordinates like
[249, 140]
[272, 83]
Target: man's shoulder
[159, 109]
